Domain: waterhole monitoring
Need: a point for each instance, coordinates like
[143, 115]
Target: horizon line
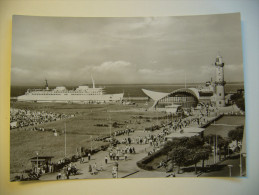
[194, 83]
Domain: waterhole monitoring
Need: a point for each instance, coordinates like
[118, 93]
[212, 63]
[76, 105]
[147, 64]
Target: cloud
[18, 71]
[112, 66]
[161, 72]
[233, 72]
[162, 75]
[148, 71]
[233, 67]
[123, 50]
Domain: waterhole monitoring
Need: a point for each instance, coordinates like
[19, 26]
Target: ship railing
[30, 90]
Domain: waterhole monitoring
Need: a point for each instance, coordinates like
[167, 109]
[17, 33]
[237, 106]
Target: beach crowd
[23, 117]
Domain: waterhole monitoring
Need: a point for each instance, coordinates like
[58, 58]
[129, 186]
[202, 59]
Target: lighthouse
[219, 82]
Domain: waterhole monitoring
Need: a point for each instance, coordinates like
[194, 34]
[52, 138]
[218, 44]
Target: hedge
[143, 162]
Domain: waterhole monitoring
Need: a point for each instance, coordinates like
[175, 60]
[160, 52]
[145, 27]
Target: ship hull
[71, 98]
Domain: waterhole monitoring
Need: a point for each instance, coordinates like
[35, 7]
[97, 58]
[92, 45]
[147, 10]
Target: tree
[239, 100]
[180, 156]
[167, 148]
[180, 142]
[221, 143]
[241, 103]
[226, 146]
[188, 151]
[194, 142]
[237, 134]
[199, 151]
[209, 139]
[205, 152]
[193, 157]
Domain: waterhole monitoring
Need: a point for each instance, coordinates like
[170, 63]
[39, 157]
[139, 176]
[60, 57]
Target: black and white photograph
[127, 97]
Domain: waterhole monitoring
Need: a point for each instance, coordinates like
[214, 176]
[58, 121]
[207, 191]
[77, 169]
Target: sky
[144, 50]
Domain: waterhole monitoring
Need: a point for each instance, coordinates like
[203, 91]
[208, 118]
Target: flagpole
[214, 143]
[91, 137]
[110, 126]
[216, 147]
[185, 80]
[241, 164]
[65, 142]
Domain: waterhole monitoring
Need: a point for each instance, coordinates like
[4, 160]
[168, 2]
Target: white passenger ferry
[82, 94]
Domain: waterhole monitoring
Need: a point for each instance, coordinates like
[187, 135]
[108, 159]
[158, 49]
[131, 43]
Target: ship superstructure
[82, 94]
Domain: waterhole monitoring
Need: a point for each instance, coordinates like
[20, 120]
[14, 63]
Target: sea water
[130, 90]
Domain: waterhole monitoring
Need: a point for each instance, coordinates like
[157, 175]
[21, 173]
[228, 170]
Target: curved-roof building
[191, 91]
[186, 97]
[211, 93]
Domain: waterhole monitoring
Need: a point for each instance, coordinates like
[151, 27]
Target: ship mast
[47, 86]
[93, 81]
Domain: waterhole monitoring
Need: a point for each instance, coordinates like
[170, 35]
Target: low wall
[143, 162]
[212, 120]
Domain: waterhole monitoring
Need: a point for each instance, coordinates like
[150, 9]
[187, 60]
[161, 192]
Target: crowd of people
[117, 153]
[126, 131]
[25, 117]
[114, 154]
[179, 124]
[67, 170]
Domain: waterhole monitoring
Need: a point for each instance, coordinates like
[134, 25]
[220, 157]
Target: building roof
[155, 95]
[193, 91]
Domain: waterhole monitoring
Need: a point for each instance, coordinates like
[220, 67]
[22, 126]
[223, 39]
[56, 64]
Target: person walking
[82, 160]
[67, 174]
[106, 159]
[59, 175]
[89, 156]
[90, 169]
[110, 154]
[95, 166]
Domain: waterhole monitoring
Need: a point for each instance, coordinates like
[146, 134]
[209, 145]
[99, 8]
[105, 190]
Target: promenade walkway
[125, 167]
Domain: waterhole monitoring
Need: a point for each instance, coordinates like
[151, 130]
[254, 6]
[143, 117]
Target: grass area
[25, 143]
[222, 128]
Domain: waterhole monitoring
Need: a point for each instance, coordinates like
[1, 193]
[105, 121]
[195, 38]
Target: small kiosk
[41, 163]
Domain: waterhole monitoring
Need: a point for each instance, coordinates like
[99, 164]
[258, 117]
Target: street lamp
[37, 153]
[230, 167]
[91, 137]
[240, 164]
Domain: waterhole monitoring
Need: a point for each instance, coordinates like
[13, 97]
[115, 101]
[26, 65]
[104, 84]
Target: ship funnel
[93, 81]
